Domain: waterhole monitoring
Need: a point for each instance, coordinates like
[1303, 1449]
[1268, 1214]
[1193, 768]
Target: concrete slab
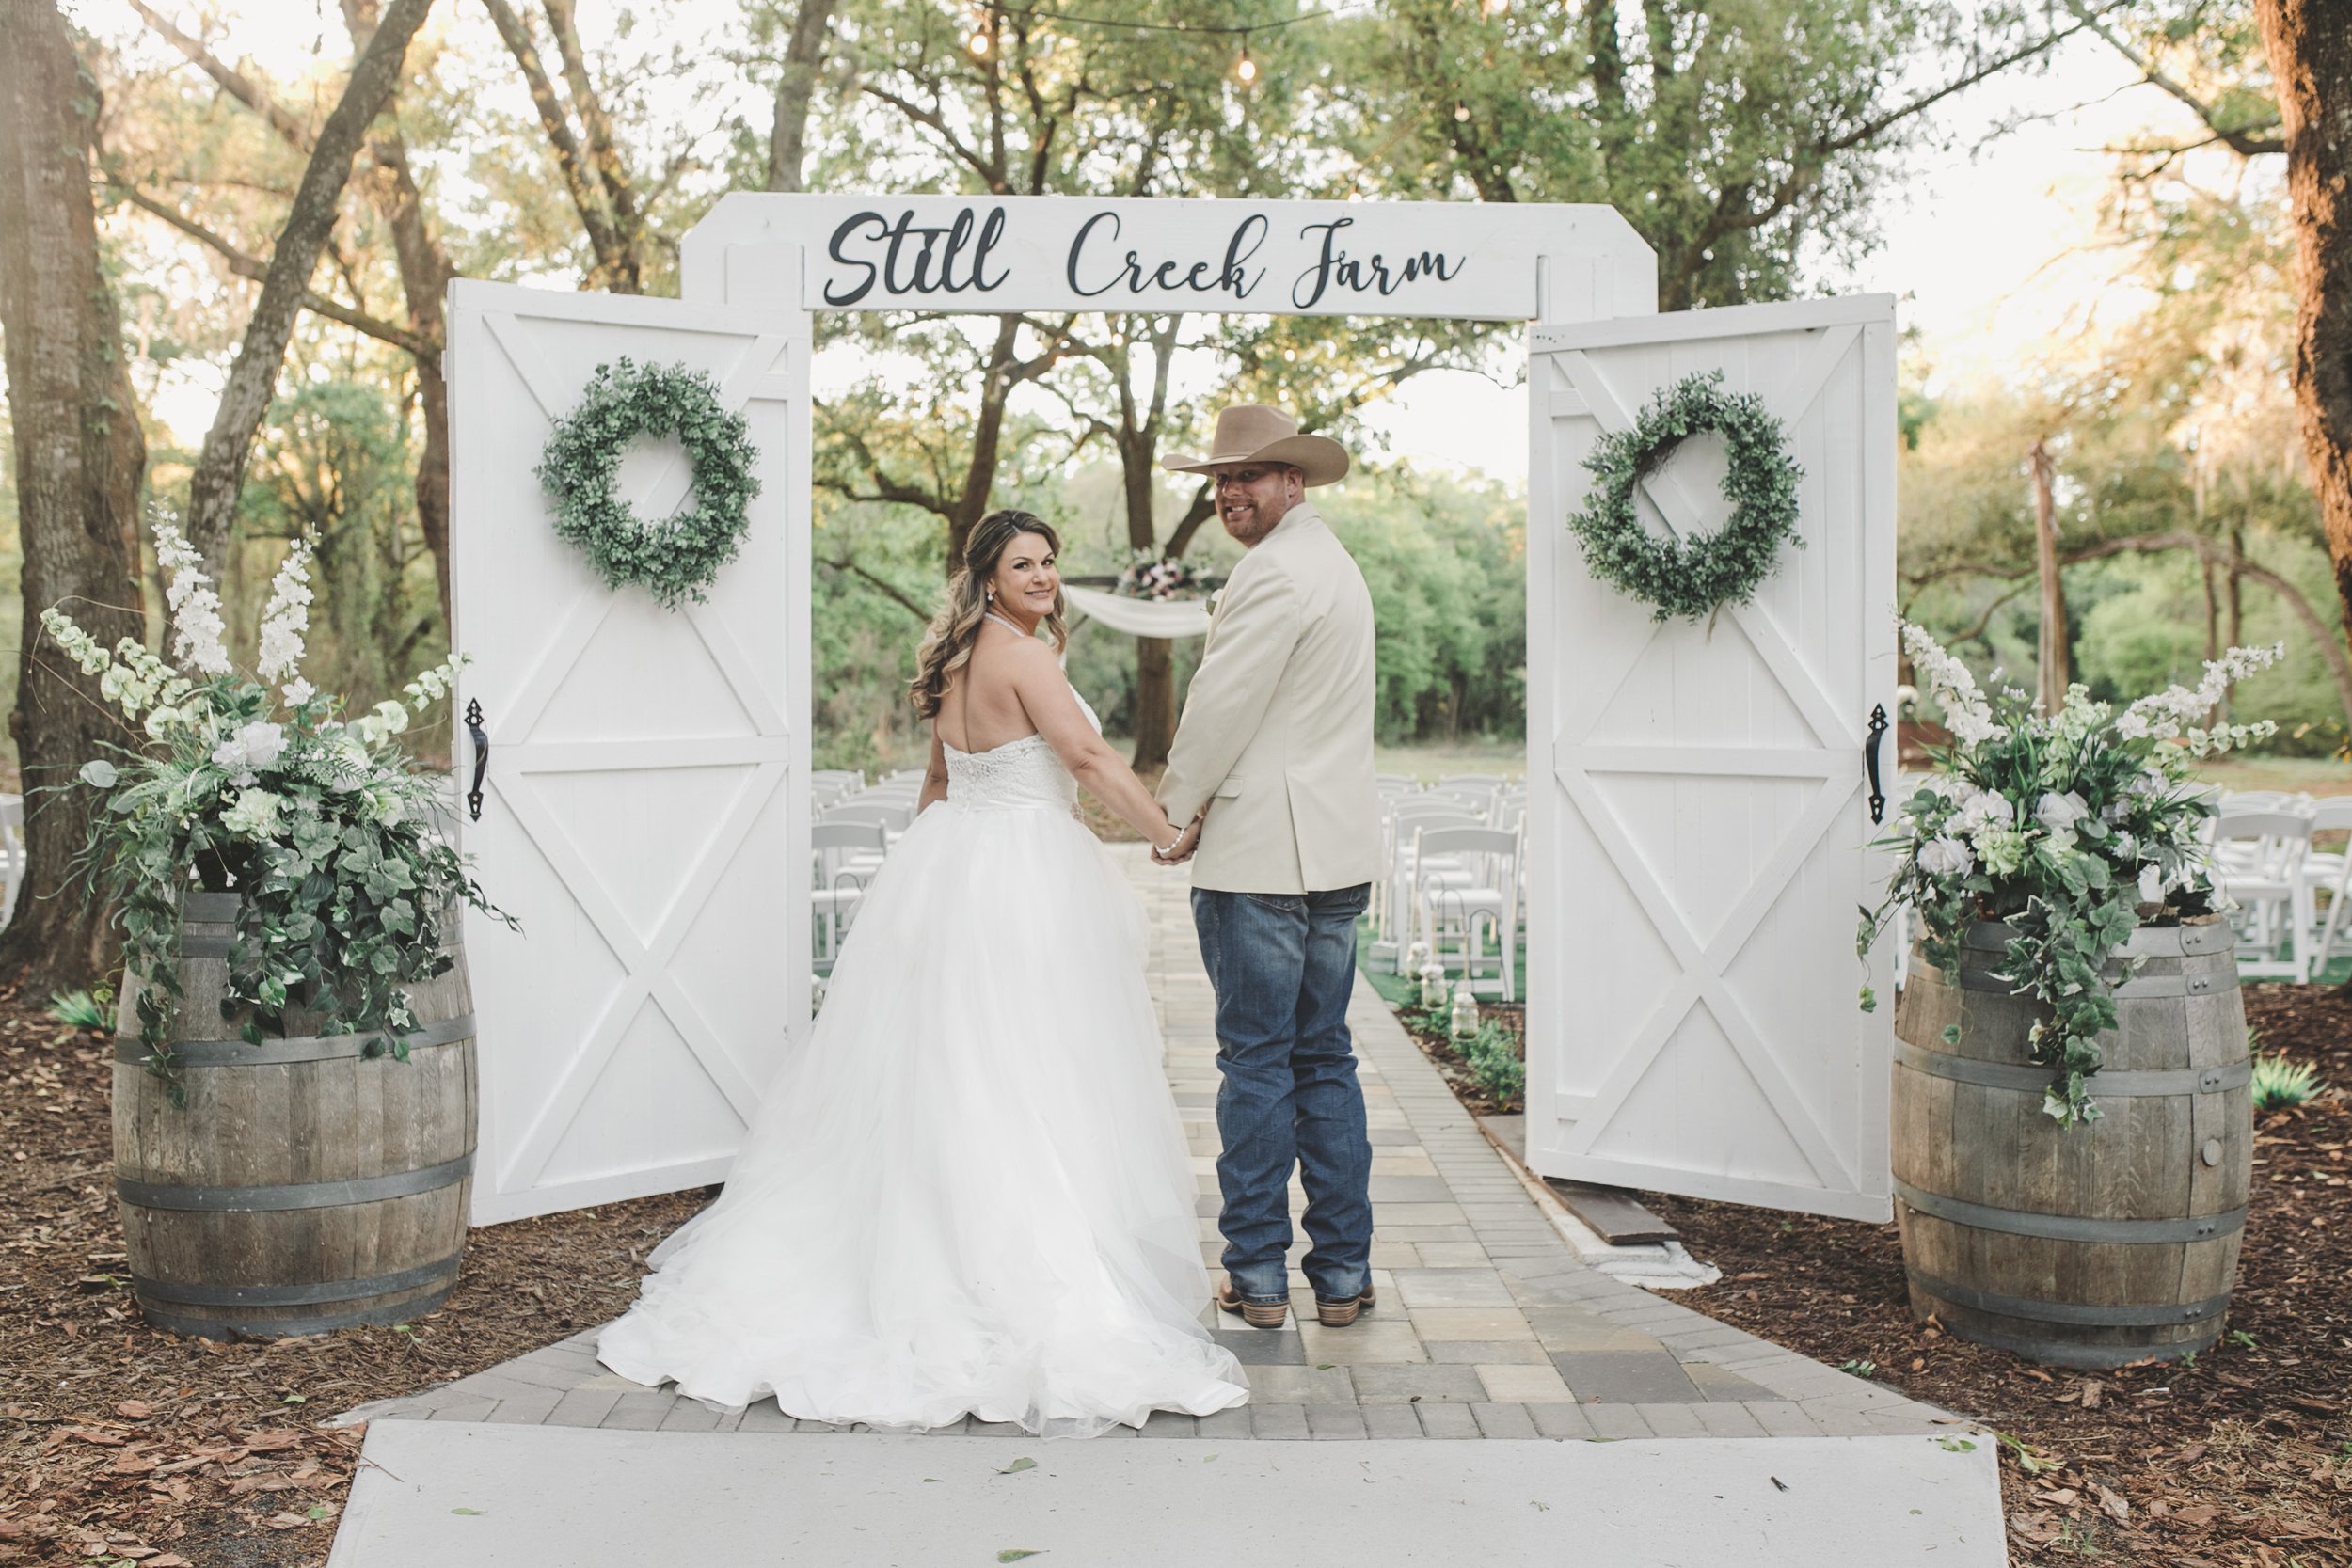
[477, 1495]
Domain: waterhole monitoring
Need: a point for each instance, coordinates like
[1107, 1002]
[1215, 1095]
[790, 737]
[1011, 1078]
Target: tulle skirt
[969, 1192]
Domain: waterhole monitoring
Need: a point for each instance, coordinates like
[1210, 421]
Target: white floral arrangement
[2073, 829]
[322, 825]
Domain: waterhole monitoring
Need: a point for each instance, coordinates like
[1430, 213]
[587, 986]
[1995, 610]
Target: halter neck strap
[1001, 622]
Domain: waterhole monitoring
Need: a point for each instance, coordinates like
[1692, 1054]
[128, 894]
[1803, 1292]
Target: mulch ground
[2243, 1457]
[120, 1444]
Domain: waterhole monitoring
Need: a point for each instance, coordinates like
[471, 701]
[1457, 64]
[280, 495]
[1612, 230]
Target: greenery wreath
[1691, 577]
[676, 558]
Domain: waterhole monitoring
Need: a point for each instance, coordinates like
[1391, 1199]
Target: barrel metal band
[293, 1048]
[2145, 988]
[287, 1329]
[294, 1194]
[2033, 1080]
[188, 1293]
[2071, 1227]
[2033, 1310]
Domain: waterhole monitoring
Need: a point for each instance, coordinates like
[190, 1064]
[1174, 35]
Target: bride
[970, 1192]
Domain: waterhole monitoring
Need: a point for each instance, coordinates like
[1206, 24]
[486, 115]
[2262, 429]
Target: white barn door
[646, 785]
[1699, 815]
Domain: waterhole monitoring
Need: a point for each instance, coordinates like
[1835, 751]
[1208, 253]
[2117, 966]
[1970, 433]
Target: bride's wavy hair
[947, 645]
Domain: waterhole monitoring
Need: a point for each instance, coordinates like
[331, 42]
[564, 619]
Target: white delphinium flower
[1965, 712]
[286, 618]
[431, 686]
[2166, 714]
[196, 622]
[1947, 857]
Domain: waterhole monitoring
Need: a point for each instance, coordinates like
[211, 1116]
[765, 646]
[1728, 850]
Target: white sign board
[977, 255]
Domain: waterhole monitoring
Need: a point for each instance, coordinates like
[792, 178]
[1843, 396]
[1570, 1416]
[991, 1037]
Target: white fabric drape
[1140, 617]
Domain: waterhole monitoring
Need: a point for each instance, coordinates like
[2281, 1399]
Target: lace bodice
[1020, 773]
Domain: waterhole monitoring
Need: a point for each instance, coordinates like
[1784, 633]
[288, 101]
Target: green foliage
[2072, 829]
[85, 1010]
[322, 826]
[1496, 1064]
[1691, 577]
[2279, 1083]
[581, 463]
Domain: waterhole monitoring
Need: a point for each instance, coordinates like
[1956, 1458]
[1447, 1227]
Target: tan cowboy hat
[1253, 433]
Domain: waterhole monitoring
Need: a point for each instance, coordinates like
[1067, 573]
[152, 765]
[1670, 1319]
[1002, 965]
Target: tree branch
[233, 82]
[245, 265]
[888, 589]
[2242, 139]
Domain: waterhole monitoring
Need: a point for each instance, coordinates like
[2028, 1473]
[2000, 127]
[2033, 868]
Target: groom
[1277, 737]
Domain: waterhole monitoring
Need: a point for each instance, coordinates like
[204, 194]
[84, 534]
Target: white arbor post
[1699, 814]
[646, 782]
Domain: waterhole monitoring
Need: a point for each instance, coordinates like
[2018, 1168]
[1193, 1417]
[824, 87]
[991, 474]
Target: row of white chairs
[1453, 879]
[856, 825]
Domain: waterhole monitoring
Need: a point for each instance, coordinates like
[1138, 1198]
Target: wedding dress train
[969, 1192]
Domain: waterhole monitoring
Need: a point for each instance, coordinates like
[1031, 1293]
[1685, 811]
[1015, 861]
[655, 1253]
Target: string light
[978, 44]
[1248, 69]
[1461, 114]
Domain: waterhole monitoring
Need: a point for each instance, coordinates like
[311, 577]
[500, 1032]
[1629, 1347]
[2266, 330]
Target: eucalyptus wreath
[676, 558]
[1691, 577]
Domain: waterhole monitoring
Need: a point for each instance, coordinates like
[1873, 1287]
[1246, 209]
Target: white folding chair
[1406, 871]
[844, 855]
[2329, 871]
[1460, 910]
[2257, 859]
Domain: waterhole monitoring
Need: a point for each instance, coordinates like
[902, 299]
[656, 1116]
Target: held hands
[1182, 850]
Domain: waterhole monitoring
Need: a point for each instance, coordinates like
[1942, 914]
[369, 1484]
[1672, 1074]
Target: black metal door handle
[480, 758]
[1870, 761]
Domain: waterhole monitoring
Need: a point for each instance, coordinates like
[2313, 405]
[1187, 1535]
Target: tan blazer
[1276, 739]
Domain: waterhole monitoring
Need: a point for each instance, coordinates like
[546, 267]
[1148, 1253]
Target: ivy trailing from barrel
[322, 825]
[2070, 829]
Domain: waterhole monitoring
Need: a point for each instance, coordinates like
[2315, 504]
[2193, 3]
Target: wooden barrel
[302, 1186]
[2085, 1246]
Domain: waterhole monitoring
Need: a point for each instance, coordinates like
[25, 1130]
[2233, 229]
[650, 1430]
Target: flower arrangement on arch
[1152, 576]
[322, 824]
[2072, 829]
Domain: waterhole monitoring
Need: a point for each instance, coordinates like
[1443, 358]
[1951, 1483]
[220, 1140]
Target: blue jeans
[1284, 965]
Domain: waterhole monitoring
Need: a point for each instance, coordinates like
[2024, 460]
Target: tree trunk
[424, 274]
[79, 460]
[787, 133]
[219, 474]
[2235, 603]
[2052, 652]
[2309, 43]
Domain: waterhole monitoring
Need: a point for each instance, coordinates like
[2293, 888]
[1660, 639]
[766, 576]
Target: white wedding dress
[969, 1192]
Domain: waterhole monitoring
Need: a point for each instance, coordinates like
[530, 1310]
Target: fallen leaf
[2200, 1513]
[285, 1521]
[2091, 1393]
[1014, 1554]
[103, 1439]
[2117, 1508]
[133, 1410]
[2191, 1454]
[169, 1559]
[1018, 1465]
[272, 1442]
